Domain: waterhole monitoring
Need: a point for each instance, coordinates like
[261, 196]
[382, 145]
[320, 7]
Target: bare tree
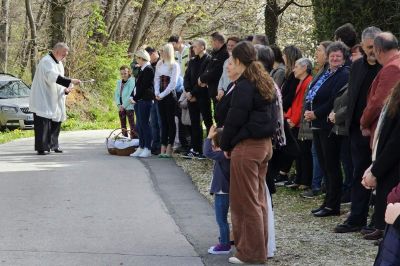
[149, 25]
[107, 12]
[4, 31]
[116, 20]
[139, 26]
[271, 13]
[33, 43]
[58, 19]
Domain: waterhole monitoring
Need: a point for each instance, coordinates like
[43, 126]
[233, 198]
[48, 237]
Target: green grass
[10, 135]
[69, 125]
[75, 124]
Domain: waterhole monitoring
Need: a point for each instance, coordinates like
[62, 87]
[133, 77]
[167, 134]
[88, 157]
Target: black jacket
[222, 108]
[214, 69]
[357, 75]
[322, 103]
[250, 116]
[144, 85]
[195, 67]
[387, 162]
[289, 91]
[396, 224]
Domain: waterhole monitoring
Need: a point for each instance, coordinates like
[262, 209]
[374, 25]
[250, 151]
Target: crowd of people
[271, 119]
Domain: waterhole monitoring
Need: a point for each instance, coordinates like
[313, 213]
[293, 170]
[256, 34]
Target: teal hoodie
[126, 93]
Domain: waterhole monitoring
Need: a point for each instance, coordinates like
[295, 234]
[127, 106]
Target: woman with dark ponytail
[246, 139]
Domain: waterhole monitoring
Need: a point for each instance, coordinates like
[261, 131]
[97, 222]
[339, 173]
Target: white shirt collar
[145, 65]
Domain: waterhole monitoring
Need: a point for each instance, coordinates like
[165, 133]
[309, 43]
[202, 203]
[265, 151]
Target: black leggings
[327, 145]
[167, 113]
[198, 109]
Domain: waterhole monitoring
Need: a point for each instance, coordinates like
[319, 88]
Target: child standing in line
[219, 187]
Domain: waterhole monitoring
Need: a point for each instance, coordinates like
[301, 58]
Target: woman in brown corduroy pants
[246, 139]
[247, 198]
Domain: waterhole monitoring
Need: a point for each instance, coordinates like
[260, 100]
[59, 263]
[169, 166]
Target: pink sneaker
[220, 249]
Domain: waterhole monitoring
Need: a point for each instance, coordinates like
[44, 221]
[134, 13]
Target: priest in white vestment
[48, 84]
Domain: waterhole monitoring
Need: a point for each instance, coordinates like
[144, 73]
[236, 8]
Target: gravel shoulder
[301, 238]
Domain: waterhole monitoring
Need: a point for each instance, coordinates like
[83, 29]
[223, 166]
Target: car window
[13, 89]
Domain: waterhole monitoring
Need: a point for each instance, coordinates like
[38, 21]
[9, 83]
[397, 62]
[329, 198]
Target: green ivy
[330, 14]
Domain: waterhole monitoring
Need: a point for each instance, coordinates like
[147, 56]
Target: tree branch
[287, 4]
[299, 5]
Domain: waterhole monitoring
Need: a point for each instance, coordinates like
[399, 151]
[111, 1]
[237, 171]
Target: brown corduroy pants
[247, 199]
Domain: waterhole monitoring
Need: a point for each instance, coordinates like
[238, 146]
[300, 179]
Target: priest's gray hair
[60, 45]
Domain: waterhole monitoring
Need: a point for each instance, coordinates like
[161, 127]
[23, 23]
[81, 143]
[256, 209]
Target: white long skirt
[271, 249]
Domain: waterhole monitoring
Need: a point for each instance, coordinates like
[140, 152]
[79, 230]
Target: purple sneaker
[220, 249]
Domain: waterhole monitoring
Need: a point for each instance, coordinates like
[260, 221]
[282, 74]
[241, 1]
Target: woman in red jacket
[302, 71]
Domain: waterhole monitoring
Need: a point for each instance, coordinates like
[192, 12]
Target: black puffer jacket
[250, 116]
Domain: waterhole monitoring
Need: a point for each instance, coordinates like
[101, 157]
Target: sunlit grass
[69, 125]
[9, 135]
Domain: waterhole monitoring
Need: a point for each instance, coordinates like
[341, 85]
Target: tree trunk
[58, 9]
[33, 44]
[23, 54]
[107, 13]
[149, 26]
[139, 26]
[4, 30]
[271, 14]
[114, 26]
[42, 14]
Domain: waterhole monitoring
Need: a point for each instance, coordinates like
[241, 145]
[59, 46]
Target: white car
[14, 103]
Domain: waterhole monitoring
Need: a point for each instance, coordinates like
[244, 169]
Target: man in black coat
[210, 77]
[362, 73]
[199, 103]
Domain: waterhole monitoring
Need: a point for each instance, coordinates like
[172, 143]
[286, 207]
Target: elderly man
[362, 73]
[387, 53]
[49, 84]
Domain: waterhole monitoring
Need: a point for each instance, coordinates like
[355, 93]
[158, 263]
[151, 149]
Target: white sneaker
[145, 153]
[136, 153]
[235, 260]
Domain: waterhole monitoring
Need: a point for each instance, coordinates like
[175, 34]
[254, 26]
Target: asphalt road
[85, 207]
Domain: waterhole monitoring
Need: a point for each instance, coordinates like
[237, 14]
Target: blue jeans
[143, 124]
[221, 215]
[155, 122]
[317, 171]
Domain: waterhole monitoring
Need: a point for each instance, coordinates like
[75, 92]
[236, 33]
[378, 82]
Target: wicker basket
[114, 135]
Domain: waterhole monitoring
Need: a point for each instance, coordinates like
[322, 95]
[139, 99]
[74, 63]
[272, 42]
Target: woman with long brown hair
[246, 139]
